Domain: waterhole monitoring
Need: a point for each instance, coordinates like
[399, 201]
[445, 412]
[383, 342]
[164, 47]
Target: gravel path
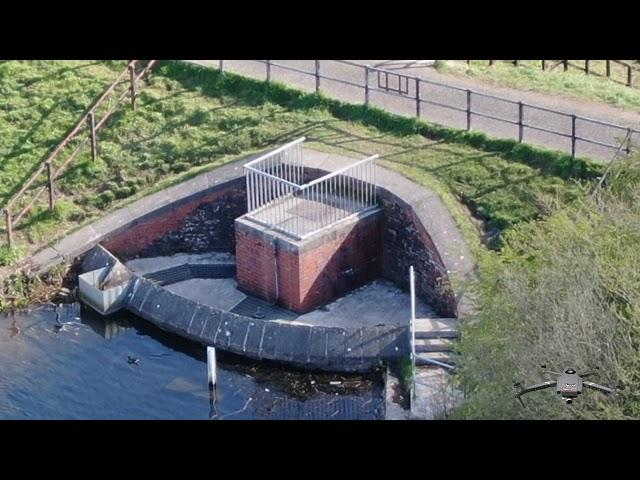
[458, 98]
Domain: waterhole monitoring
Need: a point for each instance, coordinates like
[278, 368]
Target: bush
[564, 291]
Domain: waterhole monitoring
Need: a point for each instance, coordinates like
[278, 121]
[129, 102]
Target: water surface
[83, 371]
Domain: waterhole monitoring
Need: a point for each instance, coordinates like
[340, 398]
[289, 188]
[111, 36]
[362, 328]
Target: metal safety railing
[281, 196]
[564, 130]
[412, 327]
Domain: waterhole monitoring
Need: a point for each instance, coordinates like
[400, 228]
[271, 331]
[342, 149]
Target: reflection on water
[76, 365]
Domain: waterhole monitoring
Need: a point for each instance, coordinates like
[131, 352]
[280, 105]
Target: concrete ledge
[316, 348]
[84, 239]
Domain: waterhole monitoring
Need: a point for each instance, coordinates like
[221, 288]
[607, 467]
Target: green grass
[563, 291]
[191, 119]
[529, 76]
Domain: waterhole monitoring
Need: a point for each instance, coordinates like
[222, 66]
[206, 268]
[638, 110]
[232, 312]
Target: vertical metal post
[317, 75]
[573, 136]
[92, 135]
[417, 97]
[211, 367]
[7, 216]
[366, 85]
[608, 63]
[520, 121]
[221, 66]
[468, 110]
[50, 181]
[628, 137]
[412, 287]
[268, 70]
[132, 79]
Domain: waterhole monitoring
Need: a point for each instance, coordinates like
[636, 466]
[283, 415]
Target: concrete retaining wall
[321, 348]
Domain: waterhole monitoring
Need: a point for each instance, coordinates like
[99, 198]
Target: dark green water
[82, 372]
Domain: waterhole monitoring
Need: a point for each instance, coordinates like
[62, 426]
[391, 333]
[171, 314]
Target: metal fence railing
[449, 105]
[279, 198]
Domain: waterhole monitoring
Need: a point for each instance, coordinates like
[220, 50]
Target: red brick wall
[406, 242]
[134, 240]
[255, 266]
[315, 277]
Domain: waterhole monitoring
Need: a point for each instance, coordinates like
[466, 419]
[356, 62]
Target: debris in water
[133, 360]
[335, 383]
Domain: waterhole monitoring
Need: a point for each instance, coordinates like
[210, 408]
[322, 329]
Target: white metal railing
[279, 198]
[412, 326]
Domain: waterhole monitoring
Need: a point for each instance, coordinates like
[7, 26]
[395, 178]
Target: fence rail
[87, 121]
[632, 70]
[526, 116]
[280, 197]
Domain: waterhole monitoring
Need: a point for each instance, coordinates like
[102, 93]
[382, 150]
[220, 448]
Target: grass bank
[528, 75]
[564, 291]
[191, 118]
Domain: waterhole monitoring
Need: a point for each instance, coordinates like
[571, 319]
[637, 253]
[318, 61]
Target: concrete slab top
[219, 293]
[144, 266]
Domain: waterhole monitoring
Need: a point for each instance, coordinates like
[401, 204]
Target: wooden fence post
[132, 79]
[491, 63]
[515, 63]
[608, 63]
[586, 67]
[268, 70]
[7, 216]
[544, 65]
[52, 199]
[221, 66]
[629, 76]
[317, 75]
[92, 135]
[565, 63]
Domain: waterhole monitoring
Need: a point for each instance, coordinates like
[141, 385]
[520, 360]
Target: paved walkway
[452, 118]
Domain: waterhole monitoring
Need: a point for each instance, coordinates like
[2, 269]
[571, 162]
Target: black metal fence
[454, 106]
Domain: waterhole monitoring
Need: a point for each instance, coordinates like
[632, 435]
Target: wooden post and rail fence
[632, 70]
[87, 121]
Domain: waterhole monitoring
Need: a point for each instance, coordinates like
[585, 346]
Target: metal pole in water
[211, 367]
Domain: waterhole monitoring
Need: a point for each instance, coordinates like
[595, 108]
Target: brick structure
[197, 224]
[302, 275]
[406, 242]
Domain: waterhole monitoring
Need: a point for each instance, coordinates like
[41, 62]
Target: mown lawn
[529, 76]
[190, 119]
